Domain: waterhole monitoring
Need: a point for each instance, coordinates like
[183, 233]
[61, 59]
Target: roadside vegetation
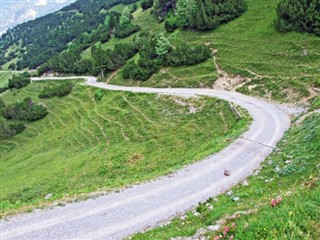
[98, 140]
[280, 201]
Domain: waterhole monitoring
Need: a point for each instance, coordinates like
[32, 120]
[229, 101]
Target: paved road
[120, 214]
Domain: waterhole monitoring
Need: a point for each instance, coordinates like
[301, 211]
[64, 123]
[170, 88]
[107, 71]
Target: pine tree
[125, 17]
[163, 46]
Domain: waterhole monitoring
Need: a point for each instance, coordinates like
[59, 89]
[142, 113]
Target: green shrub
[298, 15]
[3, 89]
[187, 55]
[98, 95]
[170, 26]
[25, 111]
[9, 129]
[57, 91]
[19, 81]
[126, 30]
[146, 4]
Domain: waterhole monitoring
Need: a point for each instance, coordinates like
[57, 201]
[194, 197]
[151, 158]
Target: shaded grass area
[291, 172]
[84, 145]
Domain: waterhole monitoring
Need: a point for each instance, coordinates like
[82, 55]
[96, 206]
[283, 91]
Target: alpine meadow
[162, 119]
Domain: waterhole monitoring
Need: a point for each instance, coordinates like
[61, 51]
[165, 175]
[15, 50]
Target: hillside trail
[122, 213]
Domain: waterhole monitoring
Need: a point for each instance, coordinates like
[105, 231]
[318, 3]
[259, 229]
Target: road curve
[123, 213]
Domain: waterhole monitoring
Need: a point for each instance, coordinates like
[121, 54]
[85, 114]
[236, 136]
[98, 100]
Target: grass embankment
[84, 145]
[292, 172]
[283, 66]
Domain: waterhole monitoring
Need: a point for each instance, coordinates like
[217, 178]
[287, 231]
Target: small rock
[245, 182]
[288, 162]
[208, 205]
[49, 195]
[235, 199]
[229, 193]
[270, 162]
[226, 173]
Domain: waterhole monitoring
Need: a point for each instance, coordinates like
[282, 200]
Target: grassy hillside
[282, 66]
[84, 145]
[291, 173]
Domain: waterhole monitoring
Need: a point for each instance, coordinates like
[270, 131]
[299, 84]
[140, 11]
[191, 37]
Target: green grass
[84, 146]
[297, 182]
[4, 78]
[251, 47]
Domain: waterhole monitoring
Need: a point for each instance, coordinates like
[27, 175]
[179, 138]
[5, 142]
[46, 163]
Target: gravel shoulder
[120, 214]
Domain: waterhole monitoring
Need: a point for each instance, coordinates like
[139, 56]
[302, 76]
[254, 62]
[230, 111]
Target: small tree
[125, 17]
[163, 46]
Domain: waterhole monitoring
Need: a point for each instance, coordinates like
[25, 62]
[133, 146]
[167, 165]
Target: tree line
[44, 37]
[298, 15]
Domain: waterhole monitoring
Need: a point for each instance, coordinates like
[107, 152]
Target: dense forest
[44, 37]
[298, 15]
[197, 14]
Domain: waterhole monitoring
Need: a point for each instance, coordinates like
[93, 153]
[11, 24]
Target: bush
[19, 81]
[126, 30]
[187, 55]
[3, 89]
[9, 129]
[57, 91]
[98, 95]
[170, 27]
[141, 71]
[25, 111]
[298, 15]
[146, 4]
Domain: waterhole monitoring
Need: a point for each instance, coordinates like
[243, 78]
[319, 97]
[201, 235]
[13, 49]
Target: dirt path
[123, 213]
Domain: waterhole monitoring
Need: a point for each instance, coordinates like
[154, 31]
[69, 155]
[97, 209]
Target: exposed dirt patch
[226, 81]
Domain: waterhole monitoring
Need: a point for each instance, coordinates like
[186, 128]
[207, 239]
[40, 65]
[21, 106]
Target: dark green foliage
[2, 104]
[187, 55]
[3, 89]
[207, 15]
[12, 66]
[42, 38]
[162, 7]
[199, 14]
[57, 91]
[298, 15]
[146, 4]
[141, 71]
[111, 60]
[19, 81]
[25, 111]
[98, 95]
[134, 8]
[9, 129]
[170, 26]
[126, 30]
[156, 52]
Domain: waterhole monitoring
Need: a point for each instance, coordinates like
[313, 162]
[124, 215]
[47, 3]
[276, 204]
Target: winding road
[120, 214]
